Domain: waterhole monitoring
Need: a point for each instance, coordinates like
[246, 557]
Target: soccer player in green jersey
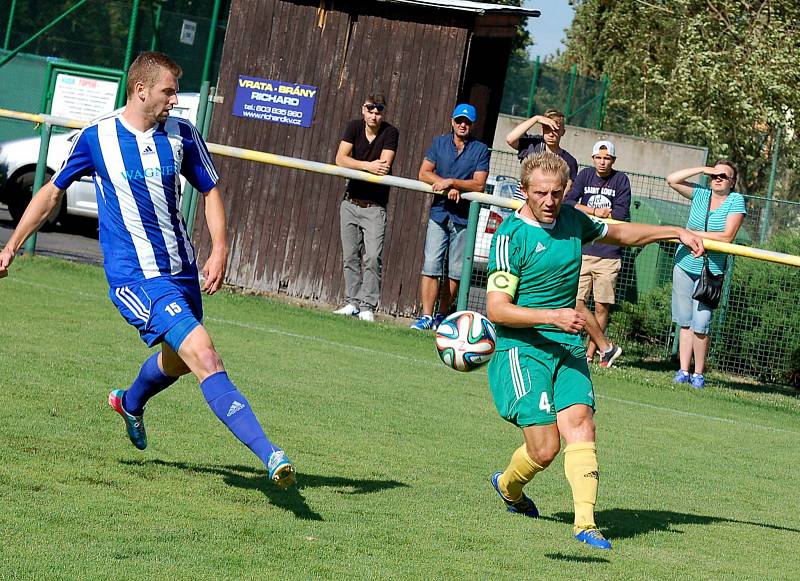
[539, 377]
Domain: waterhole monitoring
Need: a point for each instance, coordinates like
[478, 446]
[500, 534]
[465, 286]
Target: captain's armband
[502, 281]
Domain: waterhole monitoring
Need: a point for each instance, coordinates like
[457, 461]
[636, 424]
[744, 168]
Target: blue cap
[465, 110]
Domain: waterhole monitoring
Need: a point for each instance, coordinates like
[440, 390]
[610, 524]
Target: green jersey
[538, 265]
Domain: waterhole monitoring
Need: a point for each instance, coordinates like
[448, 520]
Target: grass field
[393, 451]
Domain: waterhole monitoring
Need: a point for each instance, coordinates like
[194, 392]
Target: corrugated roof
[468, 6]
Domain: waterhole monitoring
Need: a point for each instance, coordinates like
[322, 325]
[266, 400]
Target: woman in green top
[726, 211]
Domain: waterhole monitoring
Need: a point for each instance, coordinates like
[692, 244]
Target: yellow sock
[580, 466]
[520, 471]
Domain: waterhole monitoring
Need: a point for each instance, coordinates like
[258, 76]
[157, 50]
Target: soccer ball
[465, 340]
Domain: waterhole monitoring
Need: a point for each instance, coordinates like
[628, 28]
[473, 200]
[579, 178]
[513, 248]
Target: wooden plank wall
[283, 228]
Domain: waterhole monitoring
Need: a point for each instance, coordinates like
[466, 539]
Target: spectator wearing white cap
[603, 192]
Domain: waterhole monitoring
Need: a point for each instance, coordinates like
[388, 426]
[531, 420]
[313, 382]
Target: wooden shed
[424, 55]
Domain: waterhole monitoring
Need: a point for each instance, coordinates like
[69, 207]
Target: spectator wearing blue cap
[454, 163]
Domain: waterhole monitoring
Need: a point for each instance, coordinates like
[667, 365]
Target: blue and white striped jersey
[136, 176]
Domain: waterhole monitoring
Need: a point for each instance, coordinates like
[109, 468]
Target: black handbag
[709, 286]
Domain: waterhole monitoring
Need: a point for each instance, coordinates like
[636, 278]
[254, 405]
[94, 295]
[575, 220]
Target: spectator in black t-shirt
[553, 129]
[603, 192]
[368, 144]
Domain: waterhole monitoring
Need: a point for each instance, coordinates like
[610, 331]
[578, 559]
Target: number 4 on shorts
[544, 403]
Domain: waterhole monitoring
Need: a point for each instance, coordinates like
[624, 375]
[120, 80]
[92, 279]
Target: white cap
[612, 151]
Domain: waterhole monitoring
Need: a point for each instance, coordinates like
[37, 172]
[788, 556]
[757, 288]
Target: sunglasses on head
[373, 107]
[721, 176]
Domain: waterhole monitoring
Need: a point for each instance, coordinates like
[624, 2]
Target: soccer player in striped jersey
[136, 157]
[538, 376]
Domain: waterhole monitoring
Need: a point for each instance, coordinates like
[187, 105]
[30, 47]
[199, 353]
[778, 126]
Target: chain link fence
[533, 87]
[96, 33]
[755, 332]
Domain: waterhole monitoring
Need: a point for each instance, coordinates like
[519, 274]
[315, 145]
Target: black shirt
[363, 150]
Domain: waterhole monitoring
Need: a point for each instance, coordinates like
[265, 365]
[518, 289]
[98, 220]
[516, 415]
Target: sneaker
[366, 316]
[437, 320]
[424, 323]
[522, 505]
[348, 310]
[281, 471]
[681, 377]
[698, 381]
[134, 425]
[593, 538]
[609, 357]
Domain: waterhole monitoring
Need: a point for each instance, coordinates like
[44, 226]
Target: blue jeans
[444, 237]
[686, 311]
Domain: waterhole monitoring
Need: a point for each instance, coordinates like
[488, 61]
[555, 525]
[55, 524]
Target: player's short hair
[549, 163]
[147, 67]
[555, 115]
[730, 164]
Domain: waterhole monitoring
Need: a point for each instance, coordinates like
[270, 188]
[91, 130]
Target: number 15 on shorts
[174, 308]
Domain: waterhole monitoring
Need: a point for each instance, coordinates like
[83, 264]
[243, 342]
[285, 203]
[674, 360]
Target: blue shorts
[686, 311]
[161, 309]
[444, 237]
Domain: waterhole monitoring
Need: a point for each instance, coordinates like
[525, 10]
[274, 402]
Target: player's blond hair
[146, 69]
[549, 163]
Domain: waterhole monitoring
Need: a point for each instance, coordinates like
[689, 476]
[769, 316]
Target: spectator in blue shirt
[454, 163]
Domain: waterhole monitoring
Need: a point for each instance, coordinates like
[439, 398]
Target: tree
[716, 73]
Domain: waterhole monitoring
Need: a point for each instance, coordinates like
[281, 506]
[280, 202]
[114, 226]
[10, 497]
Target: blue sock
[150, 381]
[232, 409]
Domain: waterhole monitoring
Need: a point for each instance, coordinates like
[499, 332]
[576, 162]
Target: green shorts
[531, 384]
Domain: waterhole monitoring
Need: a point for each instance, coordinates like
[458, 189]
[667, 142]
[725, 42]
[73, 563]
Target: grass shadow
[292, 500]
[622, 523]
[575, 558]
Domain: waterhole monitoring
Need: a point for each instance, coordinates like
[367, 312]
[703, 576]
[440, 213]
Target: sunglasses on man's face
[464, 120]
[374, 107]
[719, 176]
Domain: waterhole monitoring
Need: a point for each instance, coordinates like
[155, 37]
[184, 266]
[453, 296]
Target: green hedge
[760, 327]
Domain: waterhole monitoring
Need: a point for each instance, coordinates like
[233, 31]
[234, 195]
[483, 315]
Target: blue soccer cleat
[522, 505]
[134, 425]
[281, 471]
[593, 538]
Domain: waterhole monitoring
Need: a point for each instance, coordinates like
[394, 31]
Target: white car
[491, 217]
[18, 160]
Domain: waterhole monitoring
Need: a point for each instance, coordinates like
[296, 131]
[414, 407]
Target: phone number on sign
[278, 111]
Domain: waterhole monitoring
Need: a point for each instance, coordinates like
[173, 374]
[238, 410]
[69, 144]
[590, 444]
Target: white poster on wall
[83, 98]
[188, 32]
